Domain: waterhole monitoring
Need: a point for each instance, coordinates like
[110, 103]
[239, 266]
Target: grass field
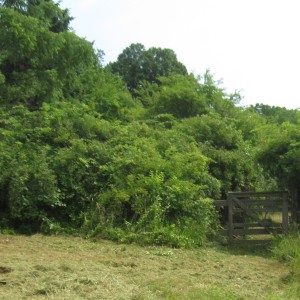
[59, 267]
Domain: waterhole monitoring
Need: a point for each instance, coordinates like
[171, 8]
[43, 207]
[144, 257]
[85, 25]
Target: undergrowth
[286, 249]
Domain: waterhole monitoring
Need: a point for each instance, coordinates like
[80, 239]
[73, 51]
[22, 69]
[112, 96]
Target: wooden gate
[252, 213]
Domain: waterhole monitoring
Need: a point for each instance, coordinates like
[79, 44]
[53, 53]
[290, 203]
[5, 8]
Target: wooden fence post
[285, 212]
[230, 218]
[293, 192]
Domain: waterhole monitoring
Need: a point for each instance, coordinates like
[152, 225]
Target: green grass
[64, 267]
[287, 250]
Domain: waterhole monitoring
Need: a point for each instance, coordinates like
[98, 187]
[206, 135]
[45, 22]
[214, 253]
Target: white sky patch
[251, 44]
[84, 5]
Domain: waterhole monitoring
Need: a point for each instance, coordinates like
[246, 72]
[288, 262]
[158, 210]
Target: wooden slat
[250, 225]
[256, 211]
[268, 209]
[256, 194]
[250, 231]
[262, 202]
[256, 231]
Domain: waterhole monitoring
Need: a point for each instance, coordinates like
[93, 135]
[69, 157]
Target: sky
[252, 46]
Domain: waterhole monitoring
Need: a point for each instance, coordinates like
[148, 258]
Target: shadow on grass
[249, 247]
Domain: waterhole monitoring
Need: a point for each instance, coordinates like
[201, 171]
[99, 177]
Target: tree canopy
[136, 64]
[47, 11]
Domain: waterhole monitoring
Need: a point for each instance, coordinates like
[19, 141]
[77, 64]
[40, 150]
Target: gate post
[230, 218]
[285, 212]
[295, 195]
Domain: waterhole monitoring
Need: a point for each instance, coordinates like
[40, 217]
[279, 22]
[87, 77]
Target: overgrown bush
[156, 190]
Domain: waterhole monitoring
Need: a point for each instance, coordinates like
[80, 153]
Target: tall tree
[128, 65]
[136, 64]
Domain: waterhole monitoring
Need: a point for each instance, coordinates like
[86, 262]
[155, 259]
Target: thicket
[114, 152]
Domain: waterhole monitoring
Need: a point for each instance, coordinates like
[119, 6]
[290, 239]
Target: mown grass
[59, 267]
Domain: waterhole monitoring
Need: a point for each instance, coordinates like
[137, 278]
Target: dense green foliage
[135, 151]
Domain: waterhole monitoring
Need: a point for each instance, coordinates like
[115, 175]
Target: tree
[19, 5]
[47, 11]
[158, 62]
[136, 64]
[38, 65]
[128, 65]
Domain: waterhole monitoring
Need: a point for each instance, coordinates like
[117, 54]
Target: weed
[286, 248]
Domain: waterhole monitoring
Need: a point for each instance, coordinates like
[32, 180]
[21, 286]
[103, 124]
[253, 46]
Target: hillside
[137, 150]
